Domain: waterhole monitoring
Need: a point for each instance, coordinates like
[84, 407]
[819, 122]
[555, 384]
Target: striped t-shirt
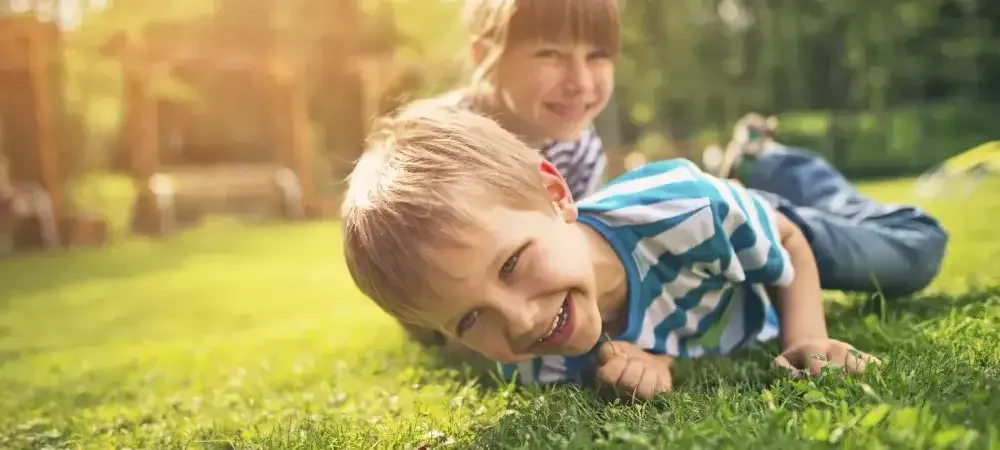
[581, 162]
[698, 252]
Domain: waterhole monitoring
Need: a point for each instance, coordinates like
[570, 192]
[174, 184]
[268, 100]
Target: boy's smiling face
[523, 282]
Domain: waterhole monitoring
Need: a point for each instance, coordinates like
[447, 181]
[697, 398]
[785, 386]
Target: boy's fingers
[667, 383]
[664, 379]
[648, 385]
[632, 375]
[869, 359]
[607, 351]
[858, 362]
[841, 356]
[610, 372]
[782, 361]
[855, 364]
[634, 372]
[817, 363]
[661, 384]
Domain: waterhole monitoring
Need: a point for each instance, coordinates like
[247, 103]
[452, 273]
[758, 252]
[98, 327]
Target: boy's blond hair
[498, 24]
[414, 187]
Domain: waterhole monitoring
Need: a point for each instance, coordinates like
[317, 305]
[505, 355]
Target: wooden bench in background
[27, 210]
[180, 196]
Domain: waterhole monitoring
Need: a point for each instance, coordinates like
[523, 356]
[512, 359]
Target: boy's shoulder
[673, 207]
[661, 181]
[665, 207]
[673, 165]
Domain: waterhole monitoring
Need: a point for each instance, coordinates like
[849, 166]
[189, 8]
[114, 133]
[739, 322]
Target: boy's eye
[467, 321]
[508, 266]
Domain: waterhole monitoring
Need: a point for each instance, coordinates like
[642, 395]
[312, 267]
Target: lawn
[236, 336]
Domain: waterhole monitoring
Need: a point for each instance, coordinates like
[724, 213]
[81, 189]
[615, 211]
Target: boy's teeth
[555, 324]
[552, 329]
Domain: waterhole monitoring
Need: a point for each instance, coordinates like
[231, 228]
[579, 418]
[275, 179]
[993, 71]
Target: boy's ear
[480, 48]
[558, 191]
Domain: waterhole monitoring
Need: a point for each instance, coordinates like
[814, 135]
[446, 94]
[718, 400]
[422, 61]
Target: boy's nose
[522, 323]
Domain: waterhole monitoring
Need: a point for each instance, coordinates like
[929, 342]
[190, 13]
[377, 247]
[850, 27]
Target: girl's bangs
[592, 21]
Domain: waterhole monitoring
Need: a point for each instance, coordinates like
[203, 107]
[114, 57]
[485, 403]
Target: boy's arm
[795, 277]
[805, 342]
[800, 302]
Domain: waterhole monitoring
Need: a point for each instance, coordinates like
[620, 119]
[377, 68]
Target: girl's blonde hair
[495, 25]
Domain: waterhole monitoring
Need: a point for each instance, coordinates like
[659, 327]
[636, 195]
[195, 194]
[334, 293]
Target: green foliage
[903, 140]
[688, 69]
[691, 69]
[252, 337]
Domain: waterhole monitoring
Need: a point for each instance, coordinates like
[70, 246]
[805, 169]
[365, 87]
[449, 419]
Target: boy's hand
[622, 365]
[811, 355]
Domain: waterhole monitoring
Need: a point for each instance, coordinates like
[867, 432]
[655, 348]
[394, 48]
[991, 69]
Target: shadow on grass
[39, 272]
[950, 372]
[916, 308]
[33, 274]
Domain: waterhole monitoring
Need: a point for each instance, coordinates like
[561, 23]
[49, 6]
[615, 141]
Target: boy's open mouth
[559, 331]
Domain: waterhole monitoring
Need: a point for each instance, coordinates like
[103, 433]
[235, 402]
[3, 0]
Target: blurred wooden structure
[291, 98]
[204, 167]
[32, 122]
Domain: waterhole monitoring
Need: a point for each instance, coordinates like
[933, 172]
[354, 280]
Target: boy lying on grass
[452, 224]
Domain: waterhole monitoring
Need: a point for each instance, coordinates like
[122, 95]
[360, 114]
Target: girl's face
[553, 90]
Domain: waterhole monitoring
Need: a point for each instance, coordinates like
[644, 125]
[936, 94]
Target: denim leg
[860, 244]
[804, 178]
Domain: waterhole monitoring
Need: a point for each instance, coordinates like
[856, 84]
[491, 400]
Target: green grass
[253, 337]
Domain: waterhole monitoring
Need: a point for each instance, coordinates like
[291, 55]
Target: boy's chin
[579, 347]
[583, 342]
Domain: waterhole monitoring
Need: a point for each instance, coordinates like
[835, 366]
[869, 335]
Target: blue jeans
[860, 244]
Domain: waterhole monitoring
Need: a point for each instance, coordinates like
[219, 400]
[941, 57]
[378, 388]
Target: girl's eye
[508, 266]
[547, 53]
[467, 322]
[599, 54]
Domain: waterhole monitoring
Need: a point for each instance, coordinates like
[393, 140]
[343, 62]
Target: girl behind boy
[544, 69]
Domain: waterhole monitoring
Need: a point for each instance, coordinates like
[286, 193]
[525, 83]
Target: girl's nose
[579, 78]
